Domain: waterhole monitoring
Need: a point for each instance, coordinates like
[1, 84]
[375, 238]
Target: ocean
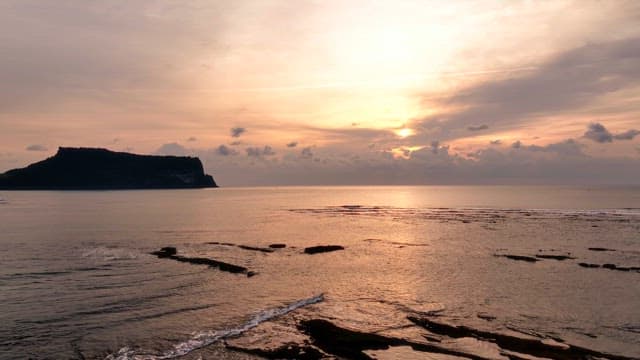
[432, 272]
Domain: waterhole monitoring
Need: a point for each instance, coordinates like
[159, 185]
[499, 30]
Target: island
[102, 169]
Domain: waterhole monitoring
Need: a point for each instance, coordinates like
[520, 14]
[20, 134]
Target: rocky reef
[94, 168]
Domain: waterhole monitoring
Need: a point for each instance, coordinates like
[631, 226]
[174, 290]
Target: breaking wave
[205, 338]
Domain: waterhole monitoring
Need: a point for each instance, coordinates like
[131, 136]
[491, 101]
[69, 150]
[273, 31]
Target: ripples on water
[77, 280]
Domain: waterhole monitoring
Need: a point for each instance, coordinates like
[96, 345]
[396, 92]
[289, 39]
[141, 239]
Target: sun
[404, 132]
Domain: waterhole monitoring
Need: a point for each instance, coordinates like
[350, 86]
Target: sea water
[77, 279]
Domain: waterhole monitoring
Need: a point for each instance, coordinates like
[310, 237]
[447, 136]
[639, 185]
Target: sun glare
[404, 132]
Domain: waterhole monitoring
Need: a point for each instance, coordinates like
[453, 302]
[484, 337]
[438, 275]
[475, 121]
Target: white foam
[110, 253]
[205, 338]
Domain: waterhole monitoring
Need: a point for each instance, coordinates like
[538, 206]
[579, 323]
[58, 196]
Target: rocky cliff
[93, 168]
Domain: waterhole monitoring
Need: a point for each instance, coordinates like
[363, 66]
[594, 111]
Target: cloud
[567, 81]
[225, 151]
[568, 147]
[435, 147]
[292, 144]
[172, 149]
[478, 127]
[562, 162]
[598, 133]
[516, 145]
[192, 139]
[107, 48]
[237, 131]
[36, 147]
[260, 152]
[495, 142]
[627, 135]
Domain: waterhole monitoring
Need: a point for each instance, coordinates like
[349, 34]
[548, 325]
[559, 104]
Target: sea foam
[205, 338]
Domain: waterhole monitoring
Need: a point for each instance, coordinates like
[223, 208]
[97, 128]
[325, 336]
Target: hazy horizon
[331, 93]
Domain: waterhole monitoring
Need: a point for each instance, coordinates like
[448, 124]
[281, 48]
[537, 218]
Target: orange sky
[348, 82]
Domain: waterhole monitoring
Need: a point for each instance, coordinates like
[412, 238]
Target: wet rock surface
[554, 257]
[546, 348]
[170, 252]
[600, 249]
[322, 249]
[518, 257]
[313, 339]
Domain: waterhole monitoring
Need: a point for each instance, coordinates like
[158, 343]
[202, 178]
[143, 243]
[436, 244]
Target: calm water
[77, 280]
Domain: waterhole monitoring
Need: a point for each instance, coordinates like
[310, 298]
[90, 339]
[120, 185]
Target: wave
[205, 338]
[106, 253]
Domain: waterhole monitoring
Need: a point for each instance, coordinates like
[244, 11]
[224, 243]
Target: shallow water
[77, 279]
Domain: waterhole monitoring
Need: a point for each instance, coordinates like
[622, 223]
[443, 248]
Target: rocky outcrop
[535, 347]
[170, 252]
[554, 257]
[518, 257]
[93, 168]
[322, 248]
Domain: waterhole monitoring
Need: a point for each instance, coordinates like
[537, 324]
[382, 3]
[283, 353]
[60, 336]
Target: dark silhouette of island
[102, 169]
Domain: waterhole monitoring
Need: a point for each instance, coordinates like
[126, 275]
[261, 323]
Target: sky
[331, 92]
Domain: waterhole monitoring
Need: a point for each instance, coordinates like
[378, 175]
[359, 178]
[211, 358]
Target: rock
[165, 252]
[278, 246]
[485, 316]
[349, 344]
[519, 258]
[321, 249]
[255, 248]
[170, 253]
[554, 257]
[169, 250]
[587, 265]
[529, 346]
[288, 351]
[94, 168]
[600, 249]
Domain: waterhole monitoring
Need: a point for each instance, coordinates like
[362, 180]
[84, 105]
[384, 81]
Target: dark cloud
[495, 142]
[172, 149]
[562, 162]
[260, 152]
[516, 145]
[237, 131]
[192, 139]
[478, 127]
[36, 147]
[598, 133]
[568, 81]
[627, 135]
[435, 146]
[292, 144]
[568, 147]
[225, 151]
[236, 143]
